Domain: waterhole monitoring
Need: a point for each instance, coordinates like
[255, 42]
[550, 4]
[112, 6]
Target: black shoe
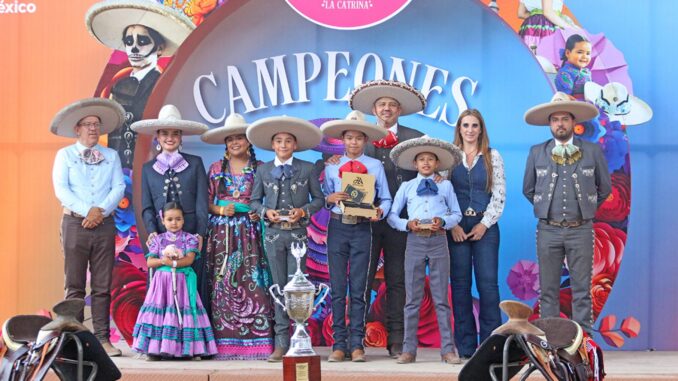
[395, 350]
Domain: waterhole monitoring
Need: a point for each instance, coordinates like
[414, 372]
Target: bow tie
[565, 153]
[91, 156]
[169, 161]
[353, 166]
[390, 141]
[427, 188]
[281, 171]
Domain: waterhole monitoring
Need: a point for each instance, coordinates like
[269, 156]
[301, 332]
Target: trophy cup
[300, 362]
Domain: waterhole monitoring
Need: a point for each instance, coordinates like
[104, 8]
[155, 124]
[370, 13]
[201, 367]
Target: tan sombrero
[355, 121]
[234, 125]
[111, 114]
[615, 101]
[561, 102]
[404, 153]
[261, 132]
[364, 96]
[169, 118]
[106, 21]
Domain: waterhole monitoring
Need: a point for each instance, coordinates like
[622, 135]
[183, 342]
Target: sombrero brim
[364, 96]
[335, 129]
[539, 115]
[112, 116]
[403, 155]
[261, 132]
[219, 135]
[640, 113]
[151, 126]
[106, 21]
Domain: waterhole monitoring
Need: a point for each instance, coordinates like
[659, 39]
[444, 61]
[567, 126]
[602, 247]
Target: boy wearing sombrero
[566, 180]
[286, 193]
[145, 30]
[89, 183]
[432, 208]
[349, 240]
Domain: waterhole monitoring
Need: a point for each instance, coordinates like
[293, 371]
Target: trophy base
[301, 368]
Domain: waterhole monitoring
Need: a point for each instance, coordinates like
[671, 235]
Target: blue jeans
[348, 246]
[482, 257]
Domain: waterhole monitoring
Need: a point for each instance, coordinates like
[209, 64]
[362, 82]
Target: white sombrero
[355, 121]
[106, 21]
[615, 101]
[111, 114]
[364, 96]
[261, 132]
[168, 118]
[234, 125]
[404, 153]
[561, 102]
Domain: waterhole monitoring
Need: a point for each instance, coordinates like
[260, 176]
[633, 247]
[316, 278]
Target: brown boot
[277, 355]
[395, 350]
[358, 355]
[337, 355]
[451, 358]
[111, 351]
[407, 358]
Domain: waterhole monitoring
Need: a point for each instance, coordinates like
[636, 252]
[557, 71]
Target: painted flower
[427, 333]
[591, 130]
[615, 144]
[128, 291]
[601, 285]
[328, 333]
[523, 280]
[617, 206]
[375, 334]
[608, 249]
[376, 310]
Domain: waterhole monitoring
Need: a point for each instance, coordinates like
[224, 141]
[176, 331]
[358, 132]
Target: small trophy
[300, 362]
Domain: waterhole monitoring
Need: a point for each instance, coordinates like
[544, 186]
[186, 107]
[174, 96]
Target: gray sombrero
[106, 20]
[261, 132]
[561, 102]
[410, 99]
[169, 117]
[235, 124]
[354, 121]
[111, 114]
[403, 155]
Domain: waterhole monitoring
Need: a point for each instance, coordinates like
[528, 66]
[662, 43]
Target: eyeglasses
[90, 125]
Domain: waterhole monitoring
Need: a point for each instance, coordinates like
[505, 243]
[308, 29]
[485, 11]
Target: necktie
[427, 188]
[91, 156]
[353, 166]
[282, 171]
[390, 141]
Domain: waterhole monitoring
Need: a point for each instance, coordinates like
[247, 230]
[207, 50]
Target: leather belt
[429, 233]
[472, 213]
[285, 225]
[566, 224]
[72, 213]
[348, 220]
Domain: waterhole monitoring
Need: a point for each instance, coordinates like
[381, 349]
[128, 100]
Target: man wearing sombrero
[286, 193]
[566, 180]
[145, 30]
[349, 238]
[89, 183]
[388, 100]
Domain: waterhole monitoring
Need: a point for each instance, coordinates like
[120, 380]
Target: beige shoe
[277, 355]
[111, 351]
[406, 358]
[451, 358]
[358, 355]
[337, 355]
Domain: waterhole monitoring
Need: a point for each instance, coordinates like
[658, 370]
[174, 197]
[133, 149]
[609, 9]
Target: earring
[249, 153]
[180, 147]
[158, 147]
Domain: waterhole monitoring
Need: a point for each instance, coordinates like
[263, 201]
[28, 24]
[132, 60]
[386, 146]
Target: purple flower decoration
[615, 144]
[523, 280]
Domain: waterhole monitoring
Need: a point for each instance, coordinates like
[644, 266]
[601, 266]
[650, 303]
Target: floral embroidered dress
[241, 308]
[571, 80]
[172, 321]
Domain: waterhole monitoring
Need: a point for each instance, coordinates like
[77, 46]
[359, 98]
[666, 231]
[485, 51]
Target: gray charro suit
[302, 191]
[392, 241]
[566, 193]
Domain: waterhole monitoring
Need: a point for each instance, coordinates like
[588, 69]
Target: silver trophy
[299, 304]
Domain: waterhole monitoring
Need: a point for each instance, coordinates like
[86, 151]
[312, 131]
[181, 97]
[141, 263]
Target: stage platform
[619, 365]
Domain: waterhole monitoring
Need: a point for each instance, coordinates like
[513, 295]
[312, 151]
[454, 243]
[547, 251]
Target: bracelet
[174, 263]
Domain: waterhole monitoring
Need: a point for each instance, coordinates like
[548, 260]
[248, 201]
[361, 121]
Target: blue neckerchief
[427, 188]
[282, 170]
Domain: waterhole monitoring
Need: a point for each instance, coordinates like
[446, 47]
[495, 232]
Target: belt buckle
[285, 225]
[470, 212]
[349, 220]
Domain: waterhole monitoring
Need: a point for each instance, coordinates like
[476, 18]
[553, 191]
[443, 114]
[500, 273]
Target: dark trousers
[554, 245]
[93, 248]
[393, 243]
[283, 265]
[348, 246]
[482, 258]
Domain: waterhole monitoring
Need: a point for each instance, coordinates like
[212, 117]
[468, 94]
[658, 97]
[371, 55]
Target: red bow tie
[352, 166]
[390, 141]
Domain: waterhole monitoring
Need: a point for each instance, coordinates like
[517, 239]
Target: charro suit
[392, 241]
[566, 194]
